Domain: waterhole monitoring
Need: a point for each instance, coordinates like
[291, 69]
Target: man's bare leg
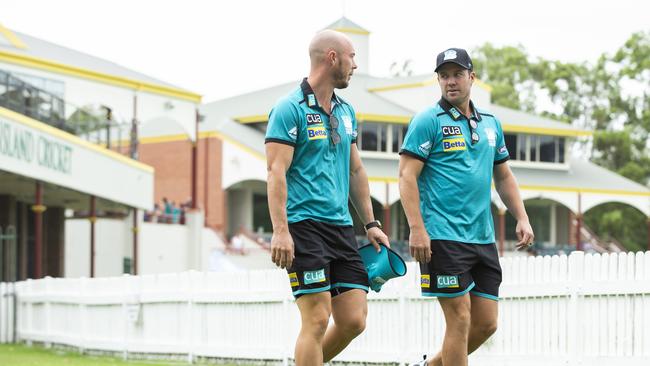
[483, 324]
[349, 310]
[315, 310]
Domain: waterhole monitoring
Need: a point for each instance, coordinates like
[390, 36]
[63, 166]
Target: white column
[194, 221]
[553, 224]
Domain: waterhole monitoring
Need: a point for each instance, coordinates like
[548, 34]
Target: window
[369, 132]
[536, 148]
[381, 137]
[399, 131]
[3, 83]
[547, 149]
[533, 147]
[511, 145]
[522, 144]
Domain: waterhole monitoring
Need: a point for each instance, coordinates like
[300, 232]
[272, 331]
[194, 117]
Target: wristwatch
[372, 224]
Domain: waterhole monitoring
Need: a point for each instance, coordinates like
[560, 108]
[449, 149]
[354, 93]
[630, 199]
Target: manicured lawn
[21, 355]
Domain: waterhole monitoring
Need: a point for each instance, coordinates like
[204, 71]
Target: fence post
[126, 292]
[404, 345]
[285, 314]
[4, 313]
[575, 319]
[191, 277]
[48, 310]
[82, 315]
[13, 336]
[29, 310]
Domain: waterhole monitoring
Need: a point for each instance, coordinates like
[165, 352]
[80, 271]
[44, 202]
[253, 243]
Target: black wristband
[372, 224]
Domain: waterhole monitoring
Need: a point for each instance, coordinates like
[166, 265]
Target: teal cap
[381, 266]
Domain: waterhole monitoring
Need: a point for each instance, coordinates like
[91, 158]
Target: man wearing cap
[313, 168]
[450, 155]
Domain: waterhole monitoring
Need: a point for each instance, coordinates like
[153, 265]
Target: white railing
[576, 310]
[6, 312]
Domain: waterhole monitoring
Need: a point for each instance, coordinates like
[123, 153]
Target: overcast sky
[224, 48]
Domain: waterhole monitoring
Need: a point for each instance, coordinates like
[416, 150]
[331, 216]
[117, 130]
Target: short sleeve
[501, 154]
[283, 124]
[419, 138]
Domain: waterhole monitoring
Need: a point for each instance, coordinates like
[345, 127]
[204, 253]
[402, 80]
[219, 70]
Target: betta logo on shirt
[316, 133]
[454, 145]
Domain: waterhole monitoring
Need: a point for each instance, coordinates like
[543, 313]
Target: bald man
[313, 169]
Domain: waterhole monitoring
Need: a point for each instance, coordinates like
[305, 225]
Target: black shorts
[326, 259]
[458, 268]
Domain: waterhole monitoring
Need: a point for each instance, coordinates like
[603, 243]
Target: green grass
[21, 355]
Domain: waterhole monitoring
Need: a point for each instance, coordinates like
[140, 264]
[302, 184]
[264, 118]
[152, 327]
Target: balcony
[90, 123]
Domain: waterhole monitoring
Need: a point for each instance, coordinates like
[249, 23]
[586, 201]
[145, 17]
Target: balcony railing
[90, 123]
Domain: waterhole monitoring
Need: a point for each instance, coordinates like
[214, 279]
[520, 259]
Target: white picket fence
[576, 310]
[6, 313]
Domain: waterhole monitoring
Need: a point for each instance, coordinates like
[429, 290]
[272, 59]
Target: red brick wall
[173, 173]
[211, 197]
[172, 162]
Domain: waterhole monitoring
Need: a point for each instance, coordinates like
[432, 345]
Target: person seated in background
[168, 210]
[176, 213]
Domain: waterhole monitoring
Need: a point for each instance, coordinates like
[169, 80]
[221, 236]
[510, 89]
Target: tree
[610, 96]
[509, 72]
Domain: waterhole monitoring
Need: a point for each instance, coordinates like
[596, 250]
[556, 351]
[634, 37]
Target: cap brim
[451, 62]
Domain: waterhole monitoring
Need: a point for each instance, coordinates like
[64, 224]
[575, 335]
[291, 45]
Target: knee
[460, 319]
[487, 328]
[316, 322]
[356, 325]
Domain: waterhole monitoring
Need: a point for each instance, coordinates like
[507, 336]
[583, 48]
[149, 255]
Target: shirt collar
[310, 96]
[455, 113]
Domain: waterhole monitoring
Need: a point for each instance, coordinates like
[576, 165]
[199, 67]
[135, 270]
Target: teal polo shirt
[455, 182]
[318, 180]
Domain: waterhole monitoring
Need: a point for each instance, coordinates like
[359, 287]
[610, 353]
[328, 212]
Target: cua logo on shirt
[314, 119]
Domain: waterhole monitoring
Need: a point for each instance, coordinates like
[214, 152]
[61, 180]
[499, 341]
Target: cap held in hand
[381, 266]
